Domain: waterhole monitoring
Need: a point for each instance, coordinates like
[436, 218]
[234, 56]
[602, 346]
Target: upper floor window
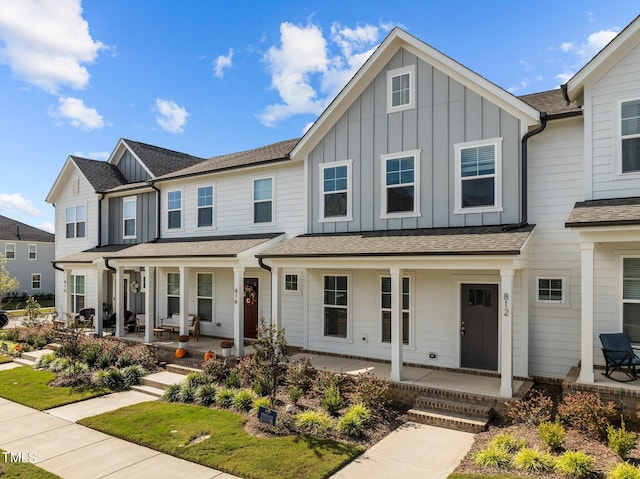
[478, 176]
[33, 251]
[129, 217]
[174, 209]
[36, 281]
[400, 175]
[263, 200]
[630, 136]
[76, 217]
[10, 250]
[335, 191]
[205, 206]
[401, 88]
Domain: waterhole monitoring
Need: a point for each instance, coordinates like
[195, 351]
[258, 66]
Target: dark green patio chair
[619, 356]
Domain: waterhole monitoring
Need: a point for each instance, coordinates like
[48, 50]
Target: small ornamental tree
[32, 314]
[8, 283]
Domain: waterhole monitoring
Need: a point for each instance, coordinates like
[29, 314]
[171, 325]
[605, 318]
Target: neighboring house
[30, 253]
[427, 217]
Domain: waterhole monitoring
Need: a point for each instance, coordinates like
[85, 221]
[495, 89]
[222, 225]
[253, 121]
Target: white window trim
[181, 228]
[412, 283]
[551, 277]
[273, 201]
[39, 280]
[143, 281]
[75, 221]
[134, 200]
[6, 249]
[411, 70]
[416, 184]
[349, 338]
[497, 207]
[35, 251]
[213, 207]
[212, 297]
[73, 294]
[296, 272]
[167, 294]
[618, 140]
[335, 164]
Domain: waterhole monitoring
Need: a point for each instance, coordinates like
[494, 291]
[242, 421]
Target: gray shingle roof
[264, 154]
[100, 174]
[609, 212]
[161, 161]
[552, 102]
[478, 240]
[12, 230]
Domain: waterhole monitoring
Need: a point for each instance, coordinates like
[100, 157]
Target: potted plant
[183, 339]
[226, 346]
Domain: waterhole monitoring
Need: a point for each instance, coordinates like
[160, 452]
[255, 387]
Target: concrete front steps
[453, 410]
[155, 384]
[31, 357]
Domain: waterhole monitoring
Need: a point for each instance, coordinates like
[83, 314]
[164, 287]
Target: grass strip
[482, 476]
[216, 439]
[14, 468]
[28, 386]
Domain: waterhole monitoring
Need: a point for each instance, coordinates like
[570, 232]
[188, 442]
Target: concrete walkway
[74, 451]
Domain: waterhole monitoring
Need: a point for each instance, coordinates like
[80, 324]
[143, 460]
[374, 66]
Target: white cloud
[47, 226]
[585, 51]
[99, 155]
[221, 63]
[308, 69]
[47, 43]
[77, 113]
[171, 117]
[16, 202]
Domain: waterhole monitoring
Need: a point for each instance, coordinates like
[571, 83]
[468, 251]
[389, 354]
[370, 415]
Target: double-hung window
[76, 217]
[630, 136]
[10, 250]
[335, 191]
[129, 217]
[478, 176]
[205, 296]
[336, 306]
[400, 191]
[385, 308]
[173, 293]
[205, 206]
[401, 88]
[36, 281]
[33, 251]
[174, 209]
[631, 298]
[77, 293]
[263, 200]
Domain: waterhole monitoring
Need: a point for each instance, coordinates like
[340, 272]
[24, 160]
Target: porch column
[149, 304]
[68, 287]
[586, 330]
[396, 324]
[238, 310]
[275, 298]
[119, 292]
[506, 347]
[97, 318]
[184, 314]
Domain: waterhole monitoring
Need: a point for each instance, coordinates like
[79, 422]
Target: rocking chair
[619, 356]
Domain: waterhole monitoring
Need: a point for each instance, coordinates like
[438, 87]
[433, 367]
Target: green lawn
[29, 386]
[173, 428]
[22, 470]
[483, 476]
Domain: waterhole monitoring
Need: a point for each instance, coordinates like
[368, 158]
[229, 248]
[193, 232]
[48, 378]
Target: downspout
[55, 266]
[157, 209]
[100, 220]
[106, 264]
[262, 265]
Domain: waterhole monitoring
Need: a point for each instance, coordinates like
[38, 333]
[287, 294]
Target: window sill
[409, 214]
[335, 219]
[263, 225]
[479, 209]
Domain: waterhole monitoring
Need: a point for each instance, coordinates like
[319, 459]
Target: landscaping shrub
[261, 402]
[586, 412]
[552, 433]
[493, 456]
[224, 397]
[620, 440]
[535, 408]
[507, 442]
[332, 401]
[112, 379]
[243, 400]
[371, 390]
[45, 361]
[263, 385]
[206, 394]
[187, 393]
[314, 422]
[172, 393]
[533, 460]
[232, 380]
[131, 375]
[59, 364]
[576, 464]
[298, 374]
[295, 393]
[196, 379]
[325, 379]
[216, 370]
[355, 420]
[624, 470]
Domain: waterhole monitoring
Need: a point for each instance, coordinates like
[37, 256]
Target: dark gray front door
[479, 326]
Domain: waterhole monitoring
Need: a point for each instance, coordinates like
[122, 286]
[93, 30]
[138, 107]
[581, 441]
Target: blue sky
[214, 77]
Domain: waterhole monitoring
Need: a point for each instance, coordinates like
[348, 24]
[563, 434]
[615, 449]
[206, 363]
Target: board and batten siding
[146, 204]
[621, 82]
[233, 202]
[21, 267]
[555, 185]
[446, 113]
[131, 169]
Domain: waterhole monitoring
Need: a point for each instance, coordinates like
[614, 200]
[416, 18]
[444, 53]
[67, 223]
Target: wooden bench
[172, 325]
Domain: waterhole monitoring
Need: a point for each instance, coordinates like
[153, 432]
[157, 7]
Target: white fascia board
[117, 152]
[61, 179]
